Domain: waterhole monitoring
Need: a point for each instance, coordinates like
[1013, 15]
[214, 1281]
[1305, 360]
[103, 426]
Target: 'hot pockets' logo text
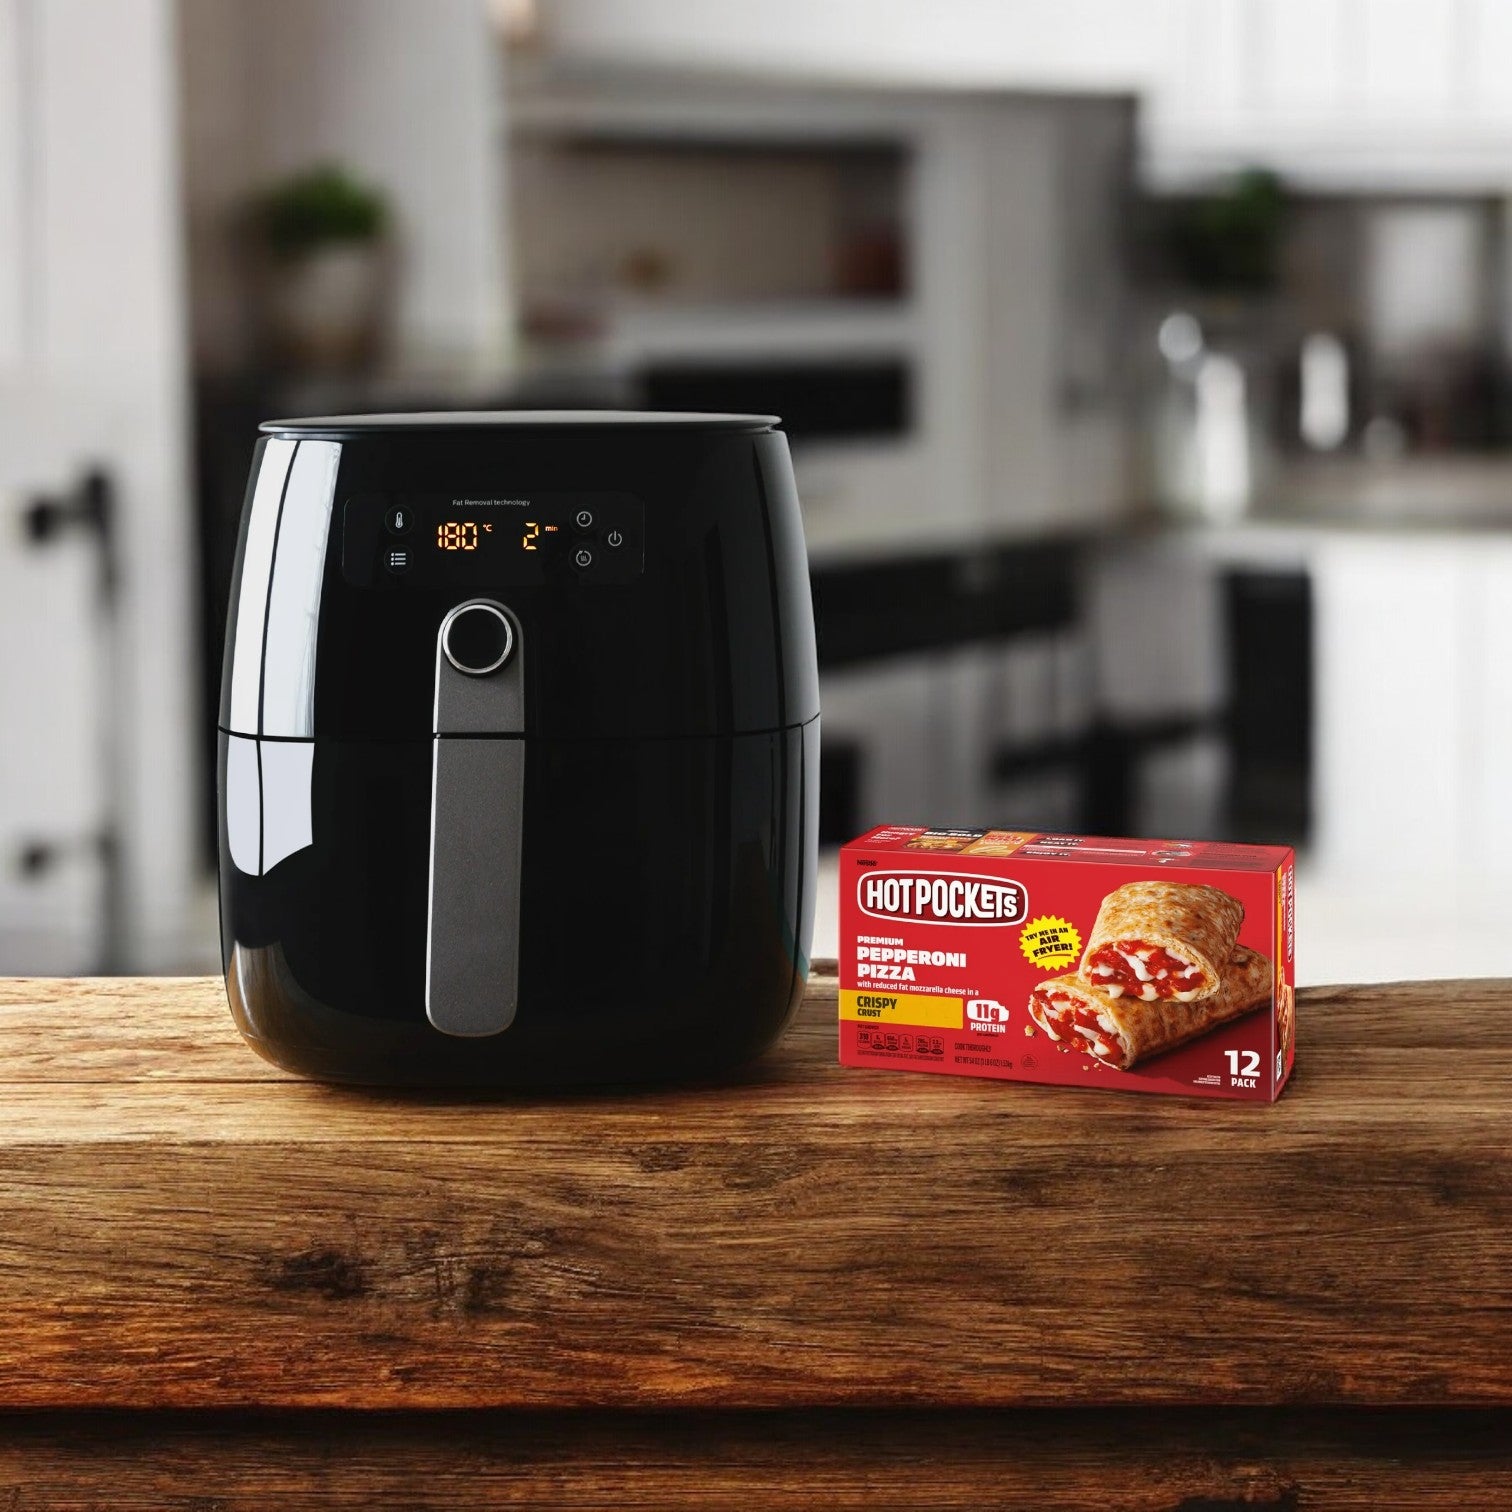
[941, 898]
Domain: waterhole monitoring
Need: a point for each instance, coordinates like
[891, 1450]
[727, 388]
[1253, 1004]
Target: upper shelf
[672, 246]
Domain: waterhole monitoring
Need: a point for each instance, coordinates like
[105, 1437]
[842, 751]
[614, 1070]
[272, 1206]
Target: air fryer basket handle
[477, 821]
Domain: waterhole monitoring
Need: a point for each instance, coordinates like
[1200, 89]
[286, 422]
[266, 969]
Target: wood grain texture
[1139, 1460]
[183, 1226]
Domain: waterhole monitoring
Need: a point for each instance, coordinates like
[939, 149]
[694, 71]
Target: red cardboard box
[1144, 965]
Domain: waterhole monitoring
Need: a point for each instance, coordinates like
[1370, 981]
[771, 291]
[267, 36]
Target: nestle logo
[941, 898]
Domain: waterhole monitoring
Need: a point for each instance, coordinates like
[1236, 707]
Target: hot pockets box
[1142, 965]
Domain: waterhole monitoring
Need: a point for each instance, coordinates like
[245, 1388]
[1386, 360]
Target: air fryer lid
[520, 422]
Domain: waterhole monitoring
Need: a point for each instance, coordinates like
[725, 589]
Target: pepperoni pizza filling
[1148, 972]
[1072, 1025]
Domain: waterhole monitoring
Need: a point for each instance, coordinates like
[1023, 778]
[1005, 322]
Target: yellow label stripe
[924, 1011]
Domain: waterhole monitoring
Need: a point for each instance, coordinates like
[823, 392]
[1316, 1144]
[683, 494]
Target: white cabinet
[1411, 873]
[1486, 608]
[1412, 781]
[1393, 94]
[1396, 693]
[1340, 93]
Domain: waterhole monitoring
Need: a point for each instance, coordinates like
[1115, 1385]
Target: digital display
[471, 540]
[465, 535]
[458, 535]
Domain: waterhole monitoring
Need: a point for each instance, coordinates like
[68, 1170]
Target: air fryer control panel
[396, 541]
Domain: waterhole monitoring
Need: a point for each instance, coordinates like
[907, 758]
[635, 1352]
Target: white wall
[92, 371]
[14, 254]
[405, 93]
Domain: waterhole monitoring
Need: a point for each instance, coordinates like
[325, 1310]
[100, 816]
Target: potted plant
[322, 237]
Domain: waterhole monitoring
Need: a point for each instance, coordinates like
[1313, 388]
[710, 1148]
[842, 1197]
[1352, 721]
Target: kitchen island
[804, 1286]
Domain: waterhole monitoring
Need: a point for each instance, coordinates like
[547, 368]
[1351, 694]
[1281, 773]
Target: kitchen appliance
[518, 747]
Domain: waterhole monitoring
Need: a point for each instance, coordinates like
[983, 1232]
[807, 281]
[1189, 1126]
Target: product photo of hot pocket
[1121, 1031]
[1162, 941]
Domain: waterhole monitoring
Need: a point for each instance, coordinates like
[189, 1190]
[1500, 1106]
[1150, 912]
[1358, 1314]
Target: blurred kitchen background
[1147, 364]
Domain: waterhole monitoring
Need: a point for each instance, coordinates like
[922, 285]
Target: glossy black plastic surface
[714, 637]
[671, 752]
[665, 916]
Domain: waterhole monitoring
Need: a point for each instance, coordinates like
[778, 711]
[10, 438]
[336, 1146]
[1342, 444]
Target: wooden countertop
[183, 1226]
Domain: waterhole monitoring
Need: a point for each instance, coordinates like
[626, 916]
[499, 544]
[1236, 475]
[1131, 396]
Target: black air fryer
[519, 747]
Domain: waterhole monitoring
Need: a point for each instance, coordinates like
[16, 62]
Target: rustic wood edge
[1219, 1460]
